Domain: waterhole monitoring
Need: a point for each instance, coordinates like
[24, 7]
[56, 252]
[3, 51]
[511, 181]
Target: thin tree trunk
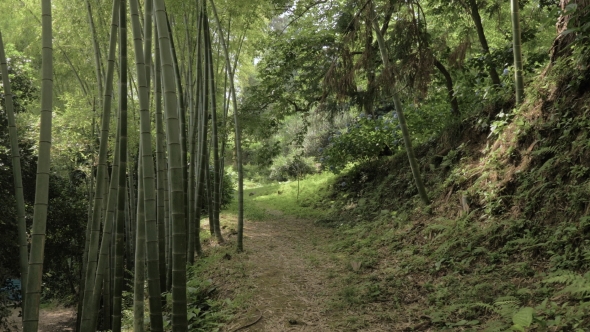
[182, 117]
[201, 134]
[97, 60]
[175, 171]
[17, 173]
[122, 181]
[450, 89]
[161, 165]
[216, 202]
[400, 113]
[517, 48]
[90, 311]
[138, 284]
[35, 268]
[102, 171]
[151, 227]
[474, 12]
[238, 147]
[191, 223]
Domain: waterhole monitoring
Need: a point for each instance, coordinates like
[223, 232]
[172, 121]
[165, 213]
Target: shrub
[365, 138]
[285, 168]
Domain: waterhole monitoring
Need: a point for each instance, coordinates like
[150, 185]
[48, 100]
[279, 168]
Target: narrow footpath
[287, 273]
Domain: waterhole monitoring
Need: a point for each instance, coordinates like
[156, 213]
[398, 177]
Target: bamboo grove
[148, 197]
[144, 211]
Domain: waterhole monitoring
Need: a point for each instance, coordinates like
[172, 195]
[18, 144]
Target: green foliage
[364, 139]
[300, 200]
[228, 188]
[291, 167]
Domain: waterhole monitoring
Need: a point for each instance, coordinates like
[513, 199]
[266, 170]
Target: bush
[285, 168]
[365, 138]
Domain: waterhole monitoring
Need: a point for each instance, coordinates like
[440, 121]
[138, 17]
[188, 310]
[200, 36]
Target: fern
[576, 285]
[562, 277]
[553, 149]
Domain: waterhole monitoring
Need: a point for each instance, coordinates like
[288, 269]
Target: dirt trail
[286, 271]
[52, 319]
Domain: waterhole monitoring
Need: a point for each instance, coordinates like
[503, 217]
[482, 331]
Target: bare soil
[286, 274]
[51, 319]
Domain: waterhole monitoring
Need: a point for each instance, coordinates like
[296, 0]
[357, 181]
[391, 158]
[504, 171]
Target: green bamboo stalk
[35, 268]
[216, 203]
[107, 289]
[147, 45]
[517, 50]
[200, 133]
[182, 116]
[152, 250]
[192, 224]
[140, 249]
[97, 211]
[103, 274]
[175, 175]
[16, 172]
[88, 226]
[122, 181]
[238, 147]
[161, 167]
[97, 61]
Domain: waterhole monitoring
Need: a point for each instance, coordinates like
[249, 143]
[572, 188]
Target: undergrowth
[302, 199]
[505, 244]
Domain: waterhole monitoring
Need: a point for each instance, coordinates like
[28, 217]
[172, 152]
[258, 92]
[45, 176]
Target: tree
[35, 270]
[92, 261]
[16, 168]
[175, 172]
[238, 147]
[147, 166]
[516, 46]
[400, 113]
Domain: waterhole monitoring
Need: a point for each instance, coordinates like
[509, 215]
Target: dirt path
[287, 273]
[52, 319]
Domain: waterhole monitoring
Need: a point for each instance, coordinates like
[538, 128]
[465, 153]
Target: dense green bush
[366, 137]
[289, 167]
[228, 189]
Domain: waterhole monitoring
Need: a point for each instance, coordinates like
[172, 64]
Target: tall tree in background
[217, 172]
[473, 9]
[238, 143]
[16, 171]
[102, 171]
[387, 67]
[517, 50]
[35, 270]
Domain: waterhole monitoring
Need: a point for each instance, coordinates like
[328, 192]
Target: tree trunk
[474, 12]
[217, 172]
[35, 268]
[161, 165]
[151, 227]
[175, 171]
[238, 147]
[138, 284]
[17, 173]
[516, 46]
[400, 114]
[102, 171]
[122, 180]
[450, 89]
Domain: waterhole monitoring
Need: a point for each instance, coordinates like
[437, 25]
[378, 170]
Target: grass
[301, 200]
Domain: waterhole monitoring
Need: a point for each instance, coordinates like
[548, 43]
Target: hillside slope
[505, 243]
